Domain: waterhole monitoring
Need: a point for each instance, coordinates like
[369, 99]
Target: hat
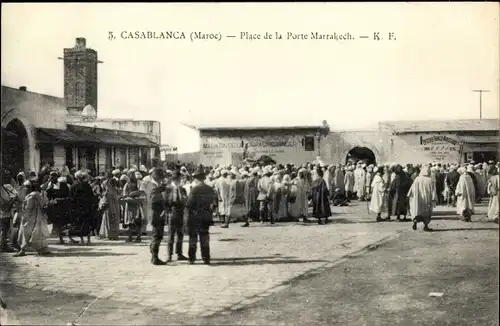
[143, 169]
[125, 171]
[224, 172]
[27, 183]
[138, 175]
[124, 177]
[132, 170]
[116, 172]
[199, 172]
[62, 179]
[79, 174]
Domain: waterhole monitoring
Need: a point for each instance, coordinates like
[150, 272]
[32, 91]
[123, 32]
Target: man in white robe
[493, 190]
[423, 198]
[377, 202]
[466, 195]
[359, 182]
[222, 186]
[349, 181]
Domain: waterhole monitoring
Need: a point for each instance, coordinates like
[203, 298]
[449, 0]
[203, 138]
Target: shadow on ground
[271, 260]
[465, 229]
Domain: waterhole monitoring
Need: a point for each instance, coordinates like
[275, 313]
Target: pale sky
[442, 51]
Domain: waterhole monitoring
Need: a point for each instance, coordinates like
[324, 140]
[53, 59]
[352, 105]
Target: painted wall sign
[441, 148]
[233, 150]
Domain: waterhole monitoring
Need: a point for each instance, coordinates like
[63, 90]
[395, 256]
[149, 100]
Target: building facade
[66, 131]
[283, 145]
[417, 142]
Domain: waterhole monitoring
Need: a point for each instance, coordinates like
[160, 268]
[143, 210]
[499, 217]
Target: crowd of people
[189, 200]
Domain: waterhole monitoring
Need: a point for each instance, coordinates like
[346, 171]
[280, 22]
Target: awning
[113, 140]
[479, 139]
[141, 141]
[63, 136]
[45, 135]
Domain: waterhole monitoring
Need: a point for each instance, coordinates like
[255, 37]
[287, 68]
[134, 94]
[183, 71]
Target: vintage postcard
[250, 163]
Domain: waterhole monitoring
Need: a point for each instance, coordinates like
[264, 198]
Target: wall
[435, 147]
[282, 146]
[59, 156]
[149, 129]
[336, 146]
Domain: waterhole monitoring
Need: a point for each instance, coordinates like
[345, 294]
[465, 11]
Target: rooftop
[441, 125]
[14, 96]
[220, 127]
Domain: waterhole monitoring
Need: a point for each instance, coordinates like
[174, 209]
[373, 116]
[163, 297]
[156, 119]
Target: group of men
[186, 202]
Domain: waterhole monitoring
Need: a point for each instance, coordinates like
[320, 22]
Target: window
[80, 91]
[309, 143]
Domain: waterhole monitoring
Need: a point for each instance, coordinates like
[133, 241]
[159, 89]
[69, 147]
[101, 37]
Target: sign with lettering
[441, 148]
[233, 150]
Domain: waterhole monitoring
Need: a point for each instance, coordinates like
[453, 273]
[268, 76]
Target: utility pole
[480, 91]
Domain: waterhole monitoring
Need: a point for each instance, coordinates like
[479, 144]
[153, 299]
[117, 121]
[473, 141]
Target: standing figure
[320, 197]
[146, 205]
[339, 179]
[422, 198]
[34, 230]
[493, 190]
[199, 217]
[82, 203]
[378, 202]
[368, 182]
[176, 203]
[452, 181]
[133, 212]
[466, 195]
[158, 205]
[232, 198]
[251, 193]
[399, 190]
[9, 202]
[349, 182]
[263, 187]
[359, 182]
[109, 206]
[58, 209]
[223, 191]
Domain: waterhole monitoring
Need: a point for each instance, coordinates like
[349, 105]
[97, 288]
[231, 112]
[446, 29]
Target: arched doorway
[15, 147]
[361, 154]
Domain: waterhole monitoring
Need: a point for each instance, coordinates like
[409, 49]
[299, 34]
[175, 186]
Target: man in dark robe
[339, 198]
[199, 217]
[158, 206]
[452, 180]
[58, 194]
[399, 190]
[250, 195]
[440, 185]
[82, 204]
[176, 203]
[320, 195]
